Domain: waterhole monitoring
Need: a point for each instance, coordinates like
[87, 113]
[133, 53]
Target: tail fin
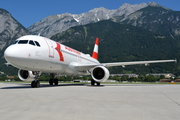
[95, 51]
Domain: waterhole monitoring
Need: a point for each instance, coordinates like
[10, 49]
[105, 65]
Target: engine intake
[25, 75]
[100, 74]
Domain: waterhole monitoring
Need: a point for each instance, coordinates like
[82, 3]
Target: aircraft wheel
[98, 83]
[33, 84]
[51, 82]
[37, 84]
[55, 81]
[92, 82]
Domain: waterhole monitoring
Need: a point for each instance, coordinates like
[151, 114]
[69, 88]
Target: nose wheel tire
[35, 84]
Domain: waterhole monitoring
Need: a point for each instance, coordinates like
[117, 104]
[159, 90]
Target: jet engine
[25, 75]
[100, 74]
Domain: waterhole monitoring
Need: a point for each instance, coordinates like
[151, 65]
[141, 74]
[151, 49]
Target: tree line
[140, 78]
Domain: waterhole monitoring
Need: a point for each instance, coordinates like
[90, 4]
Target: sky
[28, 12]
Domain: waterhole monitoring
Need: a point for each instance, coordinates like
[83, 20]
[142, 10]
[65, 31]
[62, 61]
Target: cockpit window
[37, 43]
[31, 42]
[23, 42]
[15, 42]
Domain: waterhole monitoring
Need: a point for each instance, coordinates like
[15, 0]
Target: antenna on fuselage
[39, 34]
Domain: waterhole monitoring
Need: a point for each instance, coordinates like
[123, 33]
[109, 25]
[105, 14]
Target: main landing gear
[93, 83]
[36, 83]
[53, 80]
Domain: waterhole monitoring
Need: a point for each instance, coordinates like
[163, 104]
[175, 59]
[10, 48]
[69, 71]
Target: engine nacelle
[25, 75]
[100, 74]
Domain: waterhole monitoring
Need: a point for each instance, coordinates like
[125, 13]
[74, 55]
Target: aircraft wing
[123, 64]
[85, 67]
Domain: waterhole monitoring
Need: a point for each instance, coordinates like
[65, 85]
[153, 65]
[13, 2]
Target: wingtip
[175, 60]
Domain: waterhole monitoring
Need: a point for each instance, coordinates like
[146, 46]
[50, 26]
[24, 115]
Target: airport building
[166, 75]
[129, 75]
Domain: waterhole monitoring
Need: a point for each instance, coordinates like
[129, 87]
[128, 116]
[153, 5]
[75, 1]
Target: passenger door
[50, 47]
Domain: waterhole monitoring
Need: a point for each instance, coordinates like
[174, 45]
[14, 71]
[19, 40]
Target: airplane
[34, 55]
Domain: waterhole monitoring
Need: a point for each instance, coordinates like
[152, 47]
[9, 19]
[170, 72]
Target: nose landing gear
[36, 83]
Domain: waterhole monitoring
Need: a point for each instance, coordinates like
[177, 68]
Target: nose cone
[16, 55]
[11, 54]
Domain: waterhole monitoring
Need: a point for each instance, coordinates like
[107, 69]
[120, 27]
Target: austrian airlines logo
[58, 48]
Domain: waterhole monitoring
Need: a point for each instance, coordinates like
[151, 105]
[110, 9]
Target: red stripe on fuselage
[58, 48]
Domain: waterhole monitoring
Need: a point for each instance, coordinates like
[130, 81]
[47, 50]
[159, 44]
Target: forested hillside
[120, 42]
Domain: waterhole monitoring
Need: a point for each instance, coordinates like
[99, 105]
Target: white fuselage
[49, 57]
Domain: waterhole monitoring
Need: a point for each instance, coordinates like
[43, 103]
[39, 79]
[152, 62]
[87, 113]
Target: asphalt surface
[18, 101]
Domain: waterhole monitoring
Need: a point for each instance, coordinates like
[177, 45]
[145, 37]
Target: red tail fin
[95, 51]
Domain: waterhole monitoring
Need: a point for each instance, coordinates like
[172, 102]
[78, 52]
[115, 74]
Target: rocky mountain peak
[153, 4]
[4, 12]
[127, 8]
[95, 10]
[51, 25]
[10, 29]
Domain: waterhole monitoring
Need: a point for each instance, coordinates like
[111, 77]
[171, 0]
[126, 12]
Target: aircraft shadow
[20, 86]
[27, 86]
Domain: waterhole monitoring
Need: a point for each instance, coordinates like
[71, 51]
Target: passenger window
[31, 42]
[15, 42]
[23, 42]
[37, 43]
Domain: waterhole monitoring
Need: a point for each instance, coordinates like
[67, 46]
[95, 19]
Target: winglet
[175, 60]
[95, 51]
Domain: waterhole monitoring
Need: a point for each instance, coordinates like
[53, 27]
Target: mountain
[10, 29]
[57, 23]
[151, 16]
[122, 42]
[155, 18]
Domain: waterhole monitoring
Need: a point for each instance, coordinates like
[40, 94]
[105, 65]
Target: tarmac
[18, 101]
